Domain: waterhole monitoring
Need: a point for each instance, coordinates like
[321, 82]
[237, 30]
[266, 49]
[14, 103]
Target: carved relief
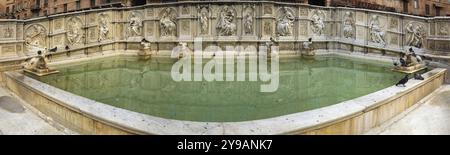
[8, 32]
[267, 9]
[267, 28]
[135, 24]
[225, 23]
[303, 28]
[74, 32]
[394, 39]
[103, 27]
[185, 27]
[167, 23]
[248, 19]
[204, 19]
[285, 22]
[376, 32]
[349, 24]
[35, 37]
[149, 12]
[185, 10]
[443, 30]
[149, 28]
[317, 23]
[58, 24]
[415, 34]
[393, 24]
[303, 11]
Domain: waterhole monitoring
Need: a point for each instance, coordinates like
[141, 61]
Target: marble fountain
[111, 67]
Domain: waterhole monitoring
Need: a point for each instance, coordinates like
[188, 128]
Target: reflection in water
[147, 87]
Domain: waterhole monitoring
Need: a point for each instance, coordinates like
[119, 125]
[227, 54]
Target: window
[92, 3]
[65, 7]
[78, 5]
[55, 10]
[45, 3]
[7, 9]
[416, 4]
[427, 9]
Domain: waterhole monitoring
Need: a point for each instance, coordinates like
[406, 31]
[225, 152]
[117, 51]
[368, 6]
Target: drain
[11, 104]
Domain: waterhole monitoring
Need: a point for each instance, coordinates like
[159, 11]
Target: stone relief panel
[204, 17]
[150, 12]
[303, 28]
[393, 23]
[415, 34]
[394, 39]
[167, 22]
[317, 22]
[376, 32]
[443, 29]
[8, 50]
[58, 24]
[149, 28]
[185, 27]
[74, 31]
[267, 28]
[267, 9]
[185, 10]
[8, 31]
[103, 27]
[35, 37]
[285, 22]
[226, 22]
[303, 12]
[248, 19]
[348, 24]
[134, 24]
[58, 40]
[92, 34]
[92, 18]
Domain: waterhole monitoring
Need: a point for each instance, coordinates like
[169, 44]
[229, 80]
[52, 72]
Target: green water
[147, 87]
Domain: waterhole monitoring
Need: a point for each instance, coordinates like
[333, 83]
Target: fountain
[409, 63]
[145, 52]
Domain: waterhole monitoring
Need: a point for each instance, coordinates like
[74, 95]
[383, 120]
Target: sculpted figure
[74, 31]
[104, 29]
[38, 63]
[317, 23]
[225, 25]
[134, 25]
[376, 34]
[416, 35]
[167, 23]
[348, 25]
[204, 20]
[285, 23]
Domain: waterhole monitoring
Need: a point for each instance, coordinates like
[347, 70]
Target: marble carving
[104, 27]
[416, 34]
[248, 19]
[204, 19]
[74, 31]
[225, 23]
[317, 22]
[376, 32]
[35, 37]
[135, 25]
[285, 22]
[349, 24]
[168, 26]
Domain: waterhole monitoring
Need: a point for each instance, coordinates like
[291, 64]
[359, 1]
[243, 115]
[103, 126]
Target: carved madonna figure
[225, 23]
[416, 34]
[349, 24]
[376, 33]
[317, 23]
[204, 19]
[35, 37]
[135, 25]
[74, 32]
[103, 27]
[285, 22]
[248, 19]
[168, 26]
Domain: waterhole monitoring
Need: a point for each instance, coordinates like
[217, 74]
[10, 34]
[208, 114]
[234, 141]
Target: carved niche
[317, 22]
[443, 29]
[248, 15]
[204, 18]
[167, 22]
[134, 24]
[415, 34]
[35, 37]
[226, 22]
[74, 31]
[348, 25]
[8, 31]
[103, 30]
[377, 35]
[285, 22]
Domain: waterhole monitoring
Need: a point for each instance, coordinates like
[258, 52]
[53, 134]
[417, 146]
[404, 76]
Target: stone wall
[225, 23]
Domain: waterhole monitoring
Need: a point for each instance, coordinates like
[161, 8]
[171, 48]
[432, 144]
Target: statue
[307, 45]
[74, 31]
[248, 20]
[285, 23]
[167, 23]
[38, 65]
[317, 22]
[376, 34]
[204, 20]
[348, 25]
[409, 62]
[181, 51]
[416, 35]
[104, 29]
[134, 25]
[145, 51]
[225, 25]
